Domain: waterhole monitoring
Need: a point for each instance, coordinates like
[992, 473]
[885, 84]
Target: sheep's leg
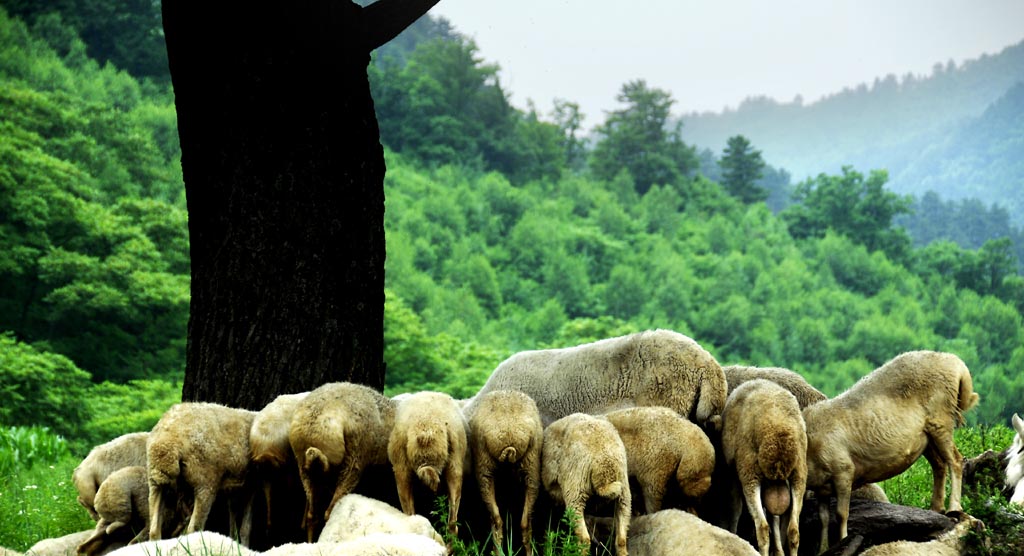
[823, 516]
[245, 531]
[453, 476]
[653, 494]
[532, 489]
[577, 506]
[203, 503]
[776, 535]
[307, 516]
[752, 493]
[155, 513]
[797, 492]
[938, 478]
[844, 485]
[735, 506]
[347, 480]
[623, 510]
[403, 480]
[142, 536]
[94, 543]
[485, 479]
[945, 448]
[266, 499]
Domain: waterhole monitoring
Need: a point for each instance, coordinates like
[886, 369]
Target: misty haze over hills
[958, 131]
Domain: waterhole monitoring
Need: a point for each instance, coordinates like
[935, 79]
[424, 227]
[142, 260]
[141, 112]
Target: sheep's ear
[1018, 425]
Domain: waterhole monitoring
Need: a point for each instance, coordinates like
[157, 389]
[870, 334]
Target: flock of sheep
[576, 423]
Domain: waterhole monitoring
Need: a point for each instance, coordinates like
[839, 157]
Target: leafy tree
[742, 167]
[40, 388]
[638, 138]
[569, 120]
[861, 209]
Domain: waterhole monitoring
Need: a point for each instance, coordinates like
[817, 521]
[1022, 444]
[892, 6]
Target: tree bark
[283, 172]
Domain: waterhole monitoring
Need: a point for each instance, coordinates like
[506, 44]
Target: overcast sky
[713, 54]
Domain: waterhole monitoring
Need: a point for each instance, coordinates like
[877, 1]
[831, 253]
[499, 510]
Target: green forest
[507, 229]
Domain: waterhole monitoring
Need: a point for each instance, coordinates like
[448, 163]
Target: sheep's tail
[967, 397]
[314, 457]
[605, 479]
[774, 455]
[611, 490]
[163, 462]
[429, 476]
[509, 454]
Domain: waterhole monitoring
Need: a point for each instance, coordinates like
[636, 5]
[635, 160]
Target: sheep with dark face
[652, 368]
[875, 430]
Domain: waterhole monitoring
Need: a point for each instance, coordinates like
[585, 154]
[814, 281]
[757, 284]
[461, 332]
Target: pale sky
[713, 54]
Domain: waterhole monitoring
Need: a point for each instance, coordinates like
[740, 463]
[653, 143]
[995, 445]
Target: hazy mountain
[958, 131]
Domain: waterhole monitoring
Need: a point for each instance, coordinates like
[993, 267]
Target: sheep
[790, 380]
[66, 545]
[949, 543]
[505, 428]
[582, 455]
[205, 446]
[124, 451]
[678, 533]
[765, 440]
[268, 441]
[122, 500]
[430, 440]
[339, 428]
[9, 552]
[204, 543]
[1015, 463]
[375, 544]
[877, 428]
[658, 367]
[660, 445]
[356, 515]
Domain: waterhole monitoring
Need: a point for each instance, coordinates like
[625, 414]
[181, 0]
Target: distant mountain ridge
[959, 131]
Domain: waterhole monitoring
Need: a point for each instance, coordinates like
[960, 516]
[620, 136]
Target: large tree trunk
[284, 177]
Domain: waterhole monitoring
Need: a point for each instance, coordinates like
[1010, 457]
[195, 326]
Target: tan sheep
[121, 501]
[67, 545]
[949, 543]
[268, 442]
[124, 451]
[661, 445]
[357, 516]
[338, 430]
[790, 380]
[679, 533]
[505, 429]
[430, 440]
[765, 440]
[659, 368]
[206, 447]
[875, 430]
[582, 455]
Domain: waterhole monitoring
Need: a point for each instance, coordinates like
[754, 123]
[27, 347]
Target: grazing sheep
[875, 430]
[661, 445]
[790, 380]
[268, 441]
[505, 428]
[430, 440]
[582, 455]
[375, 544]
[949, 543]
[124, 451]
[1015, 463]
[66, 545]
[339, 428]
[679, 533]
[765, 440]
[199, 543]
[205, 446]
[660, 368]
[121, 501]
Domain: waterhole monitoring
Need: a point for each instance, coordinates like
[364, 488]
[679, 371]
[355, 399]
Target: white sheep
[67, 545]
[505, 430]
[790, 380]
[374, 544]
[199, 543]
[1015, 463]
[659, 367]
[205, 446]
[124, 451]
[268, 441]
[876, 429]
[949, 543]
[121, 501]
[765, 440]
[356, 516]
[582, 455]
[430, 440]
[338, 429]
[9, 552]
[678, 533]
[662, 445]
